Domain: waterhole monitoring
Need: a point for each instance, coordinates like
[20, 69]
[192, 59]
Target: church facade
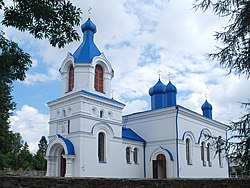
[89, 137]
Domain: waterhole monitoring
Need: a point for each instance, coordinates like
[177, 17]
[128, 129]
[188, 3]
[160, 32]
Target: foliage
[13, 64]
[39, 162]
[50, 19]
[235, 38]
[238, 145]
[25, 157]
[234, 55]
[13, 155]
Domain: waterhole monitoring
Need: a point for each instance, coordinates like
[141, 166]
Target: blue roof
[69, 145]
[102, 97]
[170, 87]
[206, 106]
[130, 134]
[87, 50]
[88, 25]
[158, 88]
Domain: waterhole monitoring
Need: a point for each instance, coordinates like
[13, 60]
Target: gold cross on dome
[159, 74]
[89, 10]
[112, 94]
[206, 95]
[169, 76]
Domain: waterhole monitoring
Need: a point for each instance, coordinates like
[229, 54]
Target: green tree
[13, 64]
[39, 162]
[13, 155]
[238, 145]
[50, 19]
[234, 54]
[25, 157]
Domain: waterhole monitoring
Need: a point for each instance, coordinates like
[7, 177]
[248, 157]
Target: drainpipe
[144, 158]
[228, 163]
[177, 147]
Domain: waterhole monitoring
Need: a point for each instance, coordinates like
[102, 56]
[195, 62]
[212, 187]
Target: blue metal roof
[102, 97]
[207, 109]
[87, 50]
[69, 145]
[158, 88]
[170, 87]
[206, 106]
[130, 134]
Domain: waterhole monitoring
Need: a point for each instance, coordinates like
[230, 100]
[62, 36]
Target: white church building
[89, 137]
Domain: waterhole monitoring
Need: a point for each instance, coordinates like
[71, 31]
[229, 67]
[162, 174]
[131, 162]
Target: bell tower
[87, 68]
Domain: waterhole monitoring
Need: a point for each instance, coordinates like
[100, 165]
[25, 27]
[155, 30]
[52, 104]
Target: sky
[139, 38]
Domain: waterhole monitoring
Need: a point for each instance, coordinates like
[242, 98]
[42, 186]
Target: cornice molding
[196, 116]
[149, 114]
[82, 97]
[82, 115]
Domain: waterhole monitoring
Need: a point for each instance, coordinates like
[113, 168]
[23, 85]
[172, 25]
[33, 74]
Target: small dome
[206, 106]
[88, 25]
[158, 88]
[170, 87]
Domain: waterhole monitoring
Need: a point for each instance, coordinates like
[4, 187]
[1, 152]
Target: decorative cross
[89, 10]
[169, 76]
[112, 94]
[159, 74]
[206, 95]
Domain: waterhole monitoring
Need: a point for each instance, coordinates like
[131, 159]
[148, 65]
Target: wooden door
[62, 165]
[159, 167]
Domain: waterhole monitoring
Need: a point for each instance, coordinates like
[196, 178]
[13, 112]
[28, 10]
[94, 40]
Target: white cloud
[34, 78]
[34, 62]
[31, 124]
[162, 34]
[135, 106]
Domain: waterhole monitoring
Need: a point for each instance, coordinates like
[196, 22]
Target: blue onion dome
[206, 106]
[170, 88]
[158, 88]
[88, 25]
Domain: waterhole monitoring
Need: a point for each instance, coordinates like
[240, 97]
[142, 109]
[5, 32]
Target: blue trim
[199, 139]
[130, 134]
[144, 158]
[169, 153]
[69, 145]
[183, 136]
[101, 97]
[177, 152]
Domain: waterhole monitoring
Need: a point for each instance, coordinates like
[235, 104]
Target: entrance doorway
[159, 167]
[62, 164]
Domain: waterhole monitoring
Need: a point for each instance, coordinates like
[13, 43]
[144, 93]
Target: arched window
[101, 114]
[128, 154]
[64, 113]
[136, 155]
[188, 151]
[203, 153]
[98, 78]
[71, 78]
[101, 147]
[208, 155]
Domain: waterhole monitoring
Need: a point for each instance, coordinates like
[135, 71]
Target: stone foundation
[48, 182]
